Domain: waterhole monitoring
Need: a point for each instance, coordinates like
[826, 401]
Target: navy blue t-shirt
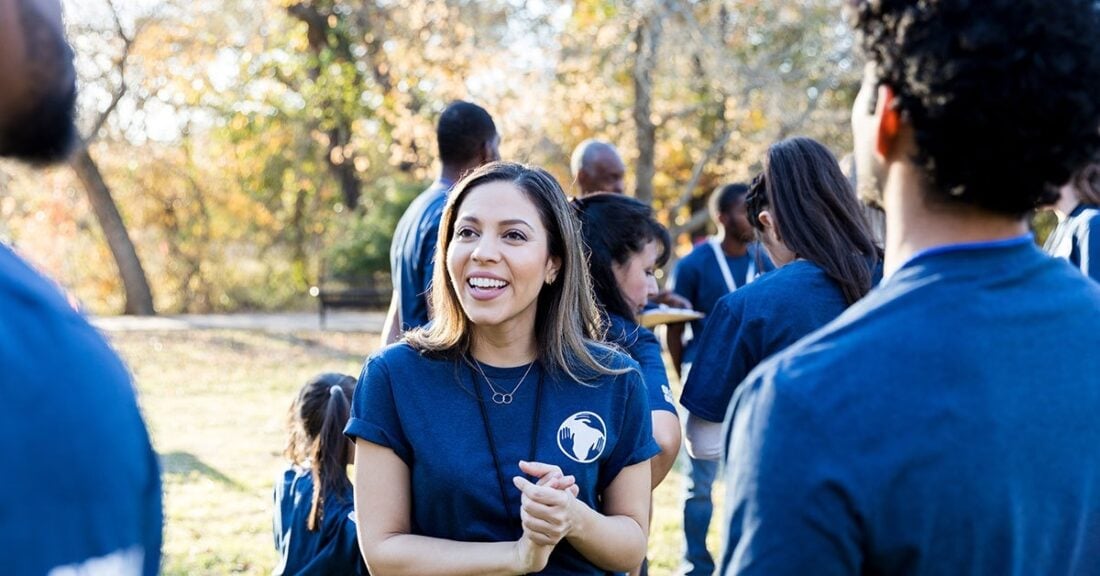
[413, 251]
[332, 548]
[699, 278]
[83, 490]
[643, 347]
[944, 424]
[426, 411]
[1077, 239]
[752, 323]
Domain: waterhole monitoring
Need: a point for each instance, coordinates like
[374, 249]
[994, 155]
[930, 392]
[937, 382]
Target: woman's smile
[485, 286]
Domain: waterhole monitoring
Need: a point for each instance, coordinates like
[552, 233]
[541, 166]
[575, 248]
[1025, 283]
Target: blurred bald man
[597, 167]
[82, 494]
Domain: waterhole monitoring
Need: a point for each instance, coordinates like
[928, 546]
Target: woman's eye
[515, 235]
[465, 233]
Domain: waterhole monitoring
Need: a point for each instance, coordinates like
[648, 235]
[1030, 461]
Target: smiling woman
[503, 438]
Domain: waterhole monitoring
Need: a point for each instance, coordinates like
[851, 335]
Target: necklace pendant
[502, 398]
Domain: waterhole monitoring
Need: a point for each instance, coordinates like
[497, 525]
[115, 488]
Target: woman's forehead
[496, 202]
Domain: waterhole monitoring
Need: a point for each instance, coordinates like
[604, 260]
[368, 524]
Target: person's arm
[391, 329]
[682, 282]
[383, 499]
[646, 351]
[674, 342]
[725, 353]
[614, 540]
[666, 432]
[672, 299]
[704, 438]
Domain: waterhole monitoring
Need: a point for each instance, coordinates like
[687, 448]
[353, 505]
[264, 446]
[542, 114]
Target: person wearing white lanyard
[713, 269]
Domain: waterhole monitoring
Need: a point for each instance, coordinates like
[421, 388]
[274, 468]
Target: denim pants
[698, 509]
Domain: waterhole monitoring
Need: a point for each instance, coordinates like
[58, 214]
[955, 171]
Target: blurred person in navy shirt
[84, 495]
[945, 423]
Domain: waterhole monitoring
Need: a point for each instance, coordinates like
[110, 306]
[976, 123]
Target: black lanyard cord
[514, 519]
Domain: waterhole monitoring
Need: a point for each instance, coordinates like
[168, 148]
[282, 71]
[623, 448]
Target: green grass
[215, 403]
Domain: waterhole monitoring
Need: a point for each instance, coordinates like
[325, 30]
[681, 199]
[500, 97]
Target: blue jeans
[698, 509]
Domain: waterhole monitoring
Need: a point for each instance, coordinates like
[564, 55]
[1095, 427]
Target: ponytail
[318, 417]
[330, 456]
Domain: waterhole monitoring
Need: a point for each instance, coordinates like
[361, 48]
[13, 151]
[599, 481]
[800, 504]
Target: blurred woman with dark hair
[1077, 237]
[810, 223]
[625, 246]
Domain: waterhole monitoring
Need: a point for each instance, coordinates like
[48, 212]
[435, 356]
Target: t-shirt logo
[582, 436]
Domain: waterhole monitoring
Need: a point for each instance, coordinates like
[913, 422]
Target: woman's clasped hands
[548, 511]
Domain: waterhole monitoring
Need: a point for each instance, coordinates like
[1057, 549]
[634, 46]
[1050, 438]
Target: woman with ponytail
[314, 525]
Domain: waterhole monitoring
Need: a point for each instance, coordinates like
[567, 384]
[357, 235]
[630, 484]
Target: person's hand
[670, 298]
[551, 476]
[547, 513]
[531, 557]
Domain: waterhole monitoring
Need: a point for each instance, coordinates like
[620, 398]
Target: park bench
[370, 291]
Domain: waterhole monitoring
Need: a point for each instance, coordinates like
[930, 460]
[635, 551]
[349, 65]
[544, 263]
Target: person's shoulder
[435, 198]
[294, 478]
[698, 255]
[402, 355]
[621, 329]
[764, 293]
[613, 358]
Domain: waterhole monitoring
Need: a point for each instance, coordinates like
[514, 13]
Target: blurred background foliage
[248, 144]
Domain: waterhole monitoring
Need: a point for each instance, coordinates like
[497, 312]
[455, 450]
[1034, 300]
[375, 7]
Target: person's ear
[723, 219]
[889, 123]
[766, 220]
[553, 266]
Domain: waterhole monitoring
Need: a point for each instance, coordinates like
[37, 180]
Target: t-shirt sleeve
[374, 416]
[788, 512]
[635, 443]
[646, 350]
[724, 355]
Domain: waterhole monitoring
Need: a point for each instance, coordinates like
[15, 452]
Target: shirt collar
[970, 246]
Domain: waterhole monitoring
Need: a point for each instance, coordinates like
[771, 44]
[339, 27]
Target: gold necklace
[498, 396]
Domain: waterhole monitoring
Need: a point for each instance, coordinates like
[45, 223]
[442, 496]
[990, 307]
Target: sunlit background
[247, 145]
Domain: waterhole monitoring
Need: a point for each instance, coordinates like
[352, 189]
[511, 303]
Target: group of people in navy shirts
[921, 404]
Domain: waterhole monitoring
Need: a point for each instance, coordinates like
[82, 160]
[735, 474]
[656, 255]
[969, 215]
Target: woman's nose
[486, 250]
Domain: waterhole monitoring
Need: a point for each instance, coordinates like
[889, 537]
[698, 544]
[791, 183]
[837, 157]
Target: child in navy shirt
[314, 524]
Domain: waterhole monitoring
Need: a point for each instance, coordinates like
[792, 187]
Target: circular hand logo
[582, 437]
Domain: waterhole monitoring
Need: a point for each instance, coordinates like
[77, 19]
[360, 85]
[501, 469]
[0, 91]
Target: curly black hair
[1002, 95]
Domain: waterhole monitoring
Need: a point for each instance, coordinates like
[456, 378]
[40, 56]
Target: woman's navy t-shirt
[643, 347]
[751, 324]
[426, 411]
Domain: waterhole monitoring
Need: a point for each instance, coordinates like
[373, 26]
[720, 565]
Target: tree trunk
[139, 299]
[647, 37]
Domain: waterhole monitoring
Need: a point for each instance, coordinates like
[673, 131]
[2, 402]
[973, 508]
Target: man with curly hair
[946, 423]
